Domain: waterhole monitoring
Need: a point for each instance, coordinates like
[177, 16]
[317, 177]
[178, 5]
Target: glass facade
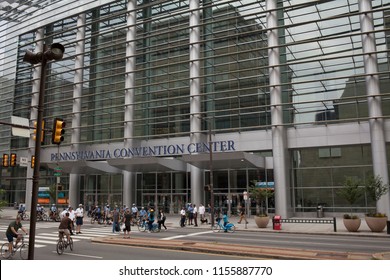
[137, 56]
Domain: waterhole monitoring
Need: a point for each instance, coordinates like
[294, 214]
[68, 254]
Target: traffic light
[58, 131]
[32, 161]
[13, 160]
[42, 133]
[5, 160]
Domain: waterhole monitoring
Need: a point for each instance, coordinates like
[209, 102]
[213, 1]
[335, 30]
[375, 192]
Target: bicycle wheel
[216, 228]
[5, 253]
[60, 247]
[24, 251]
[231, 228]
[71, 244]
[92, 220]
[26, 217]
[155, 228]
[142, 227]
[45, 218]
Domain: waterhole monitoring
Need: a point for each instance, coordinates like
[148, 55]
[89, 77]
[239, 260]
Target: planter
[262, 222]
[352, 225]
[376, 224]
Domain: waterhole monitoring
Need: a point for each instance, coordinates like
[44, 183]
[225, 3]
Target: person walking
[72, 218]
[190, 211]
[79, 218]
[202, 212]
[183, 217]
[195, 215]
[115, 220]
[127, 221]
[150, 219]
[161, 219]
[242, 214]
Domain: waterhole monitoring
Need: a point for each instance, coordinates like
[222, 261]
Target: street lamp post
[55, 52]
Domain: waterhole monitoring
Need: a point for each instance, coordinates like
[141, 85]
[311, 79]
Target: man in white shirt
[72, 218]
[195, 212]
[182, 217]
[79, 218]
[202, 211]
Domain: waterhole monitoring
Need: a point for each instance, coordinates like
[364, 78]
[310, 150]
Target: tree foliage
[351, 191]
[260, 195]
[375, 188]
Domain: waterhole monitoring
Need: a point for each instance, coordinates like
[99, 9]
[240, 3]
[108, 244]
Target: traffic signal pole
[37, 164]
[56, 52]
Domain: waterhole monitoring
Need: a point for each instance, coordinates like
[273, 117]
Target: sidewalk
[257, 251]
[260, 252]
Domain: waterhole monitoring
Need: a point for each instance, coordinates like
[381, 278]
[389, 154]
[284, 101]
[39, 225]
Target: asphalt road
[46, 236]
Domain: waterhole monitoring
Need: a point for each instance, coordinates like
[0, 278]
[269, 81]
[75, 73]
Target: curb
[233, 249]
[381, 256]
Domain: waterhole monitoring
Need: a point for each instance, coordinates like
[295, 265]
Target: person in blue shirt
[225, 220]
[150, 219]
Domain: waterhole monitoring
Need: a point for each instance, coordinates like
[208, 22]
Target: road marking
[190, 234]
[79, 255]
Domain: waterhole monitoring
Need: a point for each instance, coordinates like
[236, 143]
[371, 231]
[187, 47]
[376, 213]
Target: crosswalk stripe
[47, 239]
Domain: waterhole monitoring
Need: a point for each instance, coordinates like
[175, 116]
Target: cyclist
[53, 211]
[12, 231]
[64, 226]
[22, 210]
[225, 220]
[134, 211]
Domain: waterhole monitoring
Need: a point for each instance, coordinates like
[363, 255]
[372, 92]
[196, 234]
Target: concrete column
[195, 99]
[128, 177]
[377, 133]
[33, 116]
[74, 190]
[279, 139]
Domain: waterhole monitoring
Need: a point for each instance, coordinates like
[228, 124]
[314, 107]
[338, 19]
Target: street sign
[20, 127]
[58, 171]
[23, 161]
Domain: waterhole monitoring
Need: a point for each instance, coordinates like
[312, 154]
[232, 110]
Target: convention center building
[165, 103]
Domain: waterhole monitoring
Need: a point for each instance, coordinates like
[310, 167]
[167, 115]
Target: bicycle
[22, 248]
[219, 227]
[144, 226]
[24, 216]
[62, 243]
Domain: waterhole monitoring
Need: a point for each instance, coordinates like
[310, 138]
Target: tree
[375, 189]
[3, 203]
[351, 192]
[261, 196]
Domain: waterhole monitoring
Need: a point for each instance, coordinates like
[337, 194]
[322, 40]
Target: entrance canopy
[148, 164]
[85, 167]
[233, 160]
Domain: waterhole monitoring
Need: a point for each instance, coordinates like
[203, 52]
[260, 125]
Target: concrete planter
[352, 225]
[376, 224]
[262, 222]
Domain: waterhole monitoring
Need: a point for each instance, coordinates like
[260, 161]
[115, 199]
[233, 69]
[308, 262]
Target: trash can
[320, 211]
[277, 224]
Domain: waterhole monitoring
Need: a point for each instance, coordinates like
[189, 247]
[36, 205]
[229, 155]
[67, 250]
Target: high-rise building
[160, 97]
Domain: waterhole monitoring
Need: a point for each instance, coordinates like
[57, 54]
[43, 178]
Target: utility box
[277, 224]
